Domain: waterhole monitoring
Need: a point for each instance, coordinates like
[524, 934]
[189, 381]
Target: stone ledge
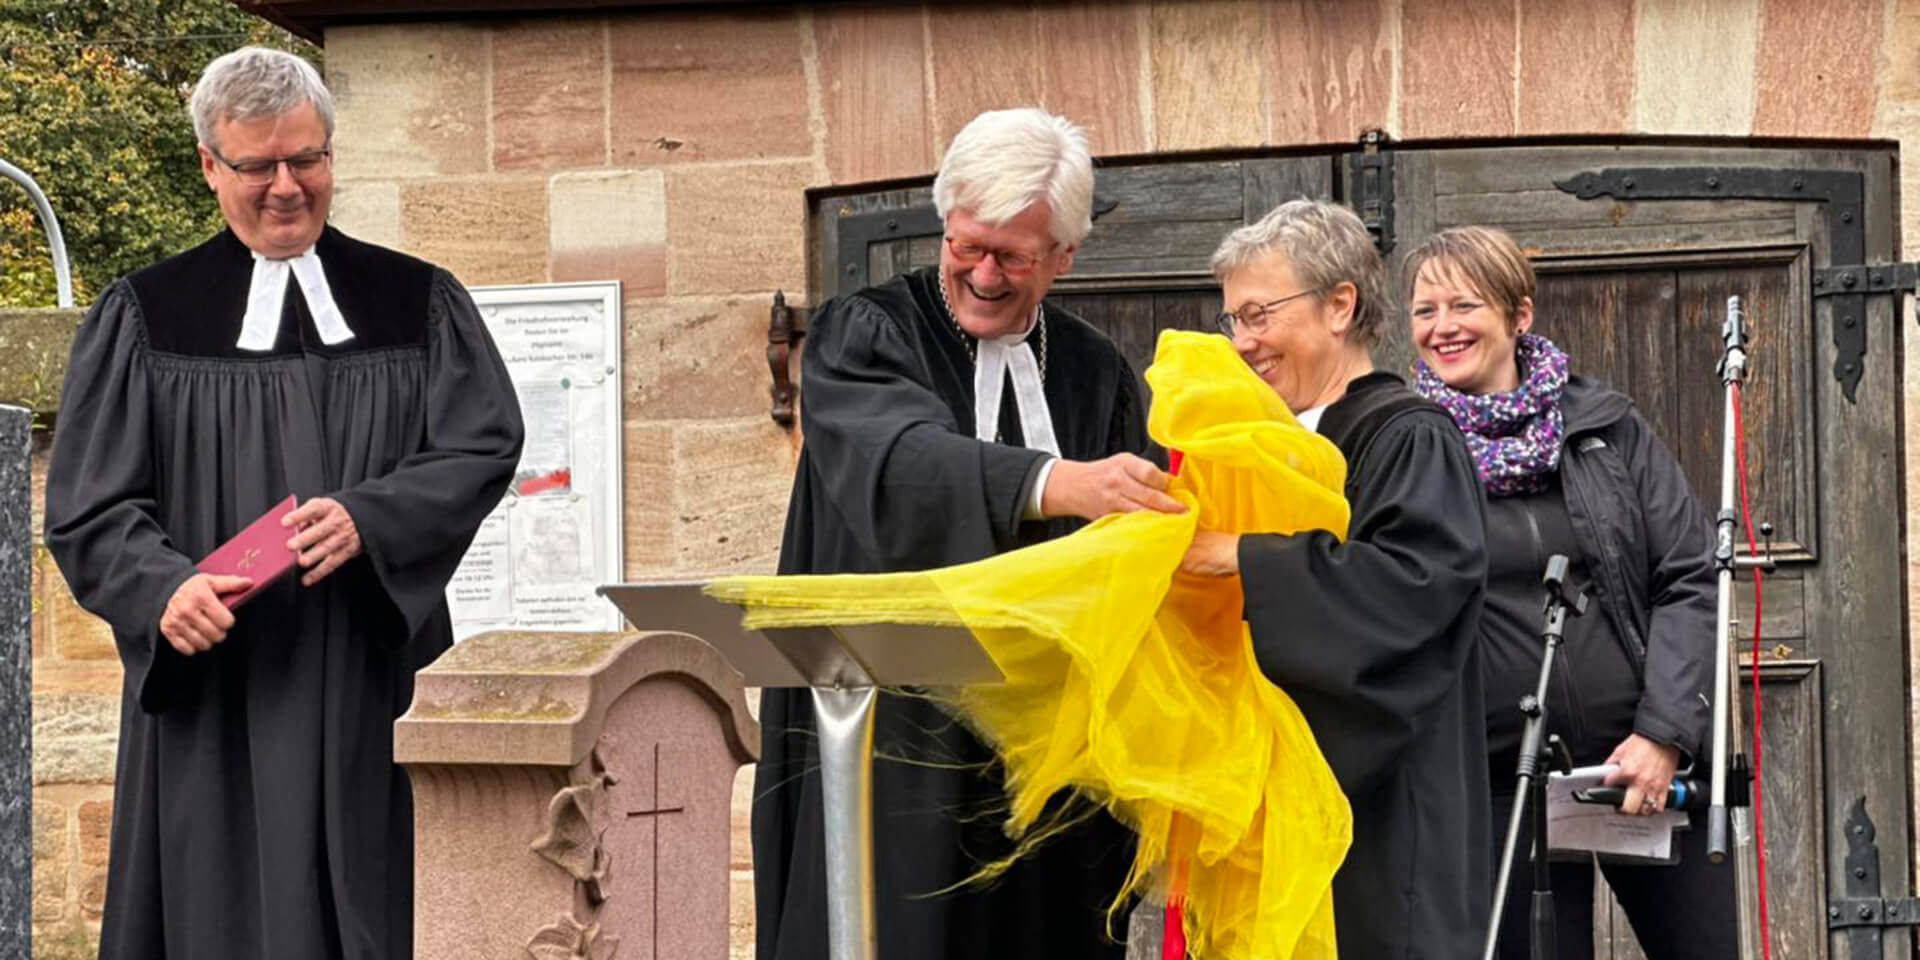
[530, 698]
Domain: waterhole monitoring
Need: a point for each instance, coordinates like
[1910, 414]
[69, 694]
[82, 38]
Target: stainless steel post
[845, 719]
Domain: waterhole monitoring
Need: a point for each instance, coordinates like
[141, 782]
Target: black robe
[257, 810]
[892, 479]
[1375, 638]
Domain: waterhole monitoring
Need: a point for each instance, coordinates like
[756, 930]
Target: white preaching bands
[993, 361]
[267, 294]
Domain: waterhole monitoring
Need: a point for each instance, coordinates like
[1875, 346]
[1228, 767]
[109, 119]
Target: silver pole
[845, 718]
[1733, 369]
[1726, 723]
[62, 275]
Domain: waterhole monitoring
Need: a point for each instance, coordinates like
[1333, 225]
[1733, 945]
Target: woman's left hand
[1213, 554]
[1646, 770]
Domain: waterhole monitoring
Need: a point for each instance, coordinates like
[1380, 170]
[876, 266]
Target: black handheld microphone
[1685, 793]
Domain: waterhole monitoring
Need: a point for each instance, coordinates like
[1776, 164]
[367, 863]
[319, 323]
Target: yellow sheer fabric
[1137, 685]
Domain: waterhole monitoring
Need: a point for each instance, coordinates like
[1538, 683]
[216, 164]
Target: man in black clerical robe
[899, 472]
[1373, 635]
[257, 810]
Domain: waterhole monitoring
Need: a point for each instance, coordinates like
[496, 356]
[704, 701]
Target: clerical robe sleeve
[887, 452]
[1369, 633]
[416, 521]
[102, 522]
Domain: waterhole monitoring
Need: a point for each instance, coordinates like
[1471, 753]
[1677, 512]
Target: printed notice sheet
[1573, 826]
[555, 537]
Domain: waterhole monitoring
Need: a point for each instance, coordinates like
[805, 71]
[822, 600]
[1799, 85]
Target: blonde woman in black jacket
[1570, 467]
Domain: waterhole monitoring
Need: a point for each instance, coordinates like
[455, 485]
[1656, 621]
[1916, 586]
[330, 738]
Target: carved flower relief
[568, 939]
[576, 821]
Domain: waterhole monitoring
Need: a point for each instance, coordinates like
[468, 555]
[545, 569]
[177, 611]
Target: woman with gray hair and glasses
[1372, 630]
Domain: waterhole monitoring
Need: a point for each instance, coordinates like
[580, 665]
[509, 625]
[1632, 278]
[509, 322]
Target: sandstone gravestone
[572, 797]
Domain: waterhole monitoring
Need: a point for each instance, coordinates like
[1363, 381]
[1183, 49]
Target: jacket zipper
[1610, 577]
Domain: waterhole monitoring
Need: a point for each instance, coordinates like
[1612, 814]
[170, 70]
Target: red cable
[1173, 936]
[1753, 549]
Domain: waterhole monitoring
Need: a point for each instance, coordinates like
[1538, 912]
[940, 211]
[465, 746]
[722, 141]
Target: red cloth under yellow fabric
[1137, 685]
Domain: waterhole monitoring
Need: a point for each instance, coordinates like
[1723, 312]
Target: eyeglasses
[1010, 261]
[259, 173]
[1253, 316]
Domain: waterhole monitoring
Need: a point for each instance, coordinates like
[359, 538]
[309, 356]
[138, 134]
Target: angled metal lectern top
[844, 666]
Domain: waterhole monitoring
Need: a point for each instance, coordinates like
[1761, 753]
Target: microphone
[1684, 793]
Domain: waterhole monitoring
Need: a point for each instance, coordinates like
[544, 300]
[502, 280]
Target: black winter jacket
[1648, 545]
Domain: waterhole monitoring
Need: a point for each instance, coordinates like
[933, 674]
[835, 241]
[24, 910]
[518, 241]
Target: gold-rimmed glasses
[1013, 262]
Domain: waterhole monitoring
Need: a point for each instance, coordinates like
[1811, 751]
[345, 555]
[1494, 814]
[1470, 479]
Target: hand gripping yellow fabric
[1137, 685]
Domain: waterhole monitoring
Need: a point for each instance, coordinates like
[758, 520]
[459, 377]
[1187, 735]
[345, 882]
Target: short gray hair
[1004, 161]
[1326, 244]
[254, 82]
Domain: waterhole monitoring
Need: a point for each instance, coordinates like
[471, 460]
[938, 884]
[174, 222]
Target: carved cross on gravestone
[668, 831]
[653, 805]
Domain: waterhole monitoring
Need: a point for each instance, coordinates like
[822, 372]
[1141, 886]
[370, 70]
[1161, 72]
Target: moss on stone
[66, 944]
[546, 710]
[34, 344]
[529, 652]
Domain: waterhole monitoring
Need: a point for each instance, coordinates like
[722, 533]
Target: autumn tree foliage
[93, 98]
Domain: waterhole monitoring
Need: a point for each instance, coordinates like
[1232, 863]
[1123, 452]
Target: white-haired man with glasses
[257, 811]
[951, 415]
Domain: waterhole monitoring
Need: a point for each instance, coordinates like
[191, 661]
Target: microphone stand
[1732, 372]
[1537, 749]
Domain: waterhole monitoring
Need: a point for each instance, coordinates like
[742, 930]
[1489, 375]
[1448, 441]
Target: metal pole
[845, 718]
[1733, 369]
[1537, 750]
[62, 275]
[1733, 826]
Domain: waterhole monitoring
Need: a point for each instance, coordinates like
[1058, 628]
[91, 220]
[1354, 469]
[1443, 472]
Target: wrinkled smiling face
[283, 217]
[991, 298]
[1294, 348]
[1464, 338]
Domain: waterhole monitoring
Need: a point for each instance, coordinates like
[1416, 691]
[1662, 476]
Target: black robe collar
[193, 303]
[1371, 402]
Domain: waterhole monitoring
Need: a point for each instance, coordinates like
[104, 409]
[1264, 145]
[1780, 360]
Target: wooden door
[1635, 289]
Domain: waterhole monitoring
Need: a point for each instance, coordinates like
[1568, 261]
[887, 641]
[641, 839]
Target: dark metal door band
[1840, 194]
[1863, 914]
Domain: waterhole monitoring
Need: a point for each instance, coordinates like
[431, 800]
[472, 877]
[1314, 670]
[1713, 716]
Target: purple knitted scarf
[1514, 437]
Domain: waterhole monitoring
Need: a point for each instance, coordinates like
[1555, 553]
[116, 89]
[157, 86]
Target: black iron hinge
[1370, 187]
[1863, 913]
[1840, 194]
[1869, 278]
[1873, 912]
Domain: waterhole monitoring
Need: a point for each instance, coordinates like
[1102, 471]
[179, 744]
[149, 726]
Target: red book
[258, 553]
